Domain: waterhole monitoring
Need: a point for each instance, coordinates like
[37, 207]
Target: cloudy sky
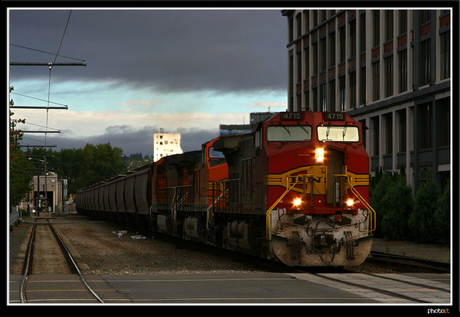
[183, 70]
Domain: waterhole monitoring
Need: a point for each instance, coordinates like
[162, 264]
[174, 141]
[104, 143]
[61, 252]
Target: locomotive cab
[317, 189]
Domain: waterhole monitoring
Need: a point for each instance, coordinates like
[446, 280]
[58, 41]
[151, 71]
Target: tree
[19, 180]
[87, 166]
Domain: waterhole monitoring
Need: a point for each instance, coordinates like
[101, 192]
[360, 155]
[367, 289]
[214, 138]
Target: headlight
[297, 202]
[319, 155]
[350, 202]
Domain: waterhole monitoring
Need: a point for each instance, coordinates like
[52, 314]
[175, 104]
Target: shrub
[397, 204]
[392, 199]
[421, 220]
[442, 216]
[380, 185]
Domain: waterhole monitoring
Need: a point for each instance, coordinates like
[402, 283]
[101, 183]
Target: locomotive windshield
[215, 154]
[215, 157]
[338, 133]
[289, 133]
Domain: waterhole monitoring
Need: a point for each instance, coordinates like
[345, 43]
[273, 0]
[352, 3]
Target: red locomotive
[293, 190]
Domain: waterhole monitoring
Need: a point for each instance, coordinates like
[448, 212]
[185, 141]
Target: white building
[165, 144]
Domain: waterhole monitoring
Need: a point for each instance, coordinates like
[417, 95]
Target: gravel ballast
[105, 248]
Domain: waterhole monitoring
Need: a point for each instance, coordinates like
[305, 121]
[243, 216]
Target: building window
[290, 29]
[299, 101]
[388, 133]
[402, 130]
[425, 16]
[402, 22]
[342, 93]
[444, 121]
[426, 61]
[352, 89]
[364, 134]
[315, 17]
[388, 76]
[375, 136]
[332, 49]
[291, 70]
[388, 25]
[299, 66]
[375, 28]
[307, 62]
[445, 55]
[298, 20]
[426, 129]
[307, 100]
[332, 95]
[315, 99]
[342, 45]
[376, 81]
[362, 33]
[402, 71]
[362, 86]
[353, 38]
[323, 98]
[322, 14]
[306, 16]
[323, 55]
[315, 58]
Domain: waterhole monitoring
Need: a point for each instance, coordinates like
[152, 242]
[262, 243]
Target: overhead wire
[56, 103]
[45, 52]
[39, 125]
[49, 77]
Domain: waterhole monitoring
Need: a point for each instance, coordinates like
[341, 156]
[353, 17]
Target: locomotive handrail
[210, 209]
[372, 226]
[267, 214]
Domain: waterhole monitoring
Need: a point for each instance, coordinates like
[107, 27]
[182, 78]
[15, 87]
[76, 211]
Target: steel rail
[67, 254]
[439, 265]
[22, 291]
[378, 290]
[75, 264]
[410, 283]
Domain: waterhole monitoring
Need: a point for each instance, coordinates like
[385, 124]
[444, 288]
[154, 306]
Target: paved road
[243, 288]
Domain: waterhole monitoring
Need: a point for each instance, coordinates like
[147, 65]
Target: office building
[389, 69]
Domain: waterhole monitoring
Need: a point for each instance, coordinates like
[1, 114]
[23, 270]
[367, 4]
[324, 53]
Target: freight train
[294, 190]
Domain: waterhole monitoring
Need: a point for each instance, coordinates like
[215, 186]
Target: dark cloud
[132, 141]
[183, 50]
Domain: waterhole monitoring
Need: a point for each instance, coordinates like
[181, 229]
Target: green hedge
[400, 216]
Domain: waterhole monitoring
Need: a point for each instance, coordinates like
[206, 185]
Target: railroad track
[443, 267]
[371, 281]
[61, 255]
[389, 289]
